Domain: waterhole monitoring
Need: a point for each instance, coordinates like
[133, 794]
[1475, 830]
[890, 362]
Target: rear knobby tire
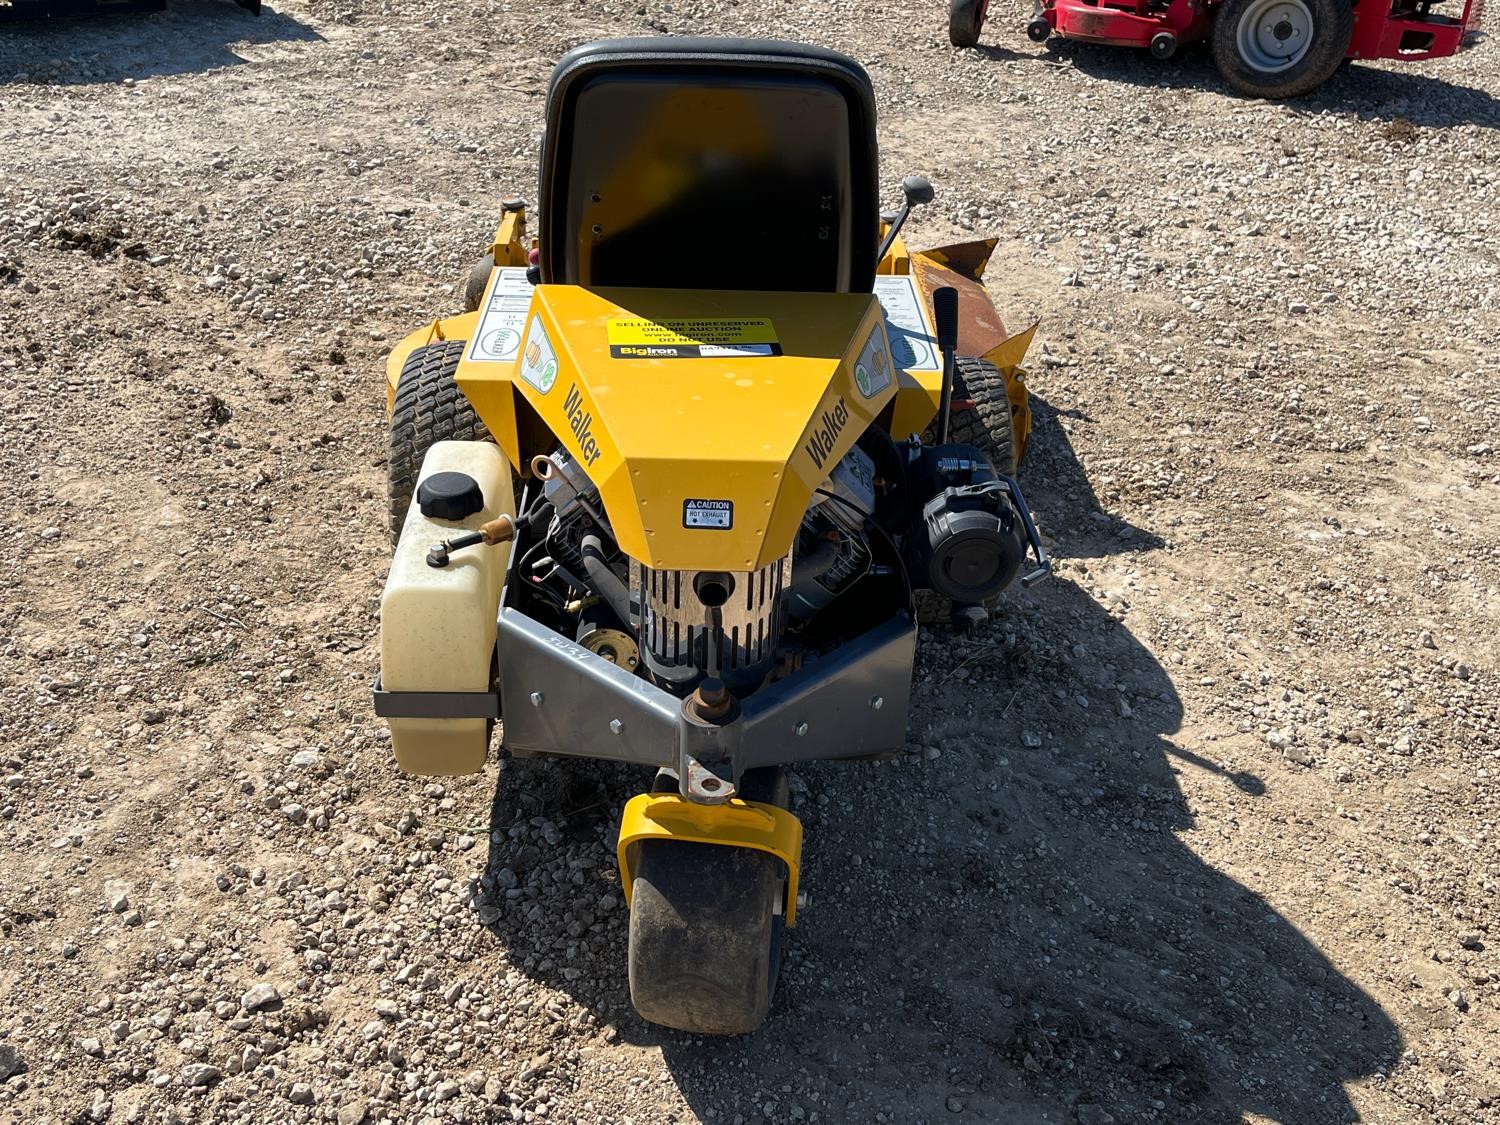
[1250, 68]
[706, 928]
[429, 408]
[966, 21]
[989, 428]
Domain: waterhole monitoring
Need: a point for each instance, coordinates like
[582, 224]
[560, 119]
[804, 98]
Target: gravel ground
[1201, 831]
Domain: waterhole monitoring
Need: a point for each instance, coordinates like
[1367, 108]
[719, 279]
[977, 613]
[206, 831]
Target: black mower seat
[710, 164]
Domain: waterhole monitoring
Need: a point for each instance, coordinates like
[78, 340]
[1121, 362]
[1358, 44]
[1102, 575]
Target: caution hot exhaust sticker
[708, 338]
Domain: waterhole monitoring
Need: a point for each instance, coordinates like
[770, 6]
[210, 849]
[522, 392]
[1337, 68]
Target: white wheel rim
[1273, 35]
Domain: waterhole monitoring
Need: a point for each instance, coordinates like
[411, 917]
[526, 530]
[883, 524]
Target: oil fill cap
[449, 496]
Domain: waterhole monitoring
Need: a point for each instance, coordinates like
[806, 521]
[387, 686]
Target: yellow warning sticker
[633, 337]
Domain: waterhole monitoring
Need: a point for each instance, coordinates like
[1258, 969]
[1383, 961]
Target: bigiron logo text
[820, 445]
[581, 423]
[644, 351]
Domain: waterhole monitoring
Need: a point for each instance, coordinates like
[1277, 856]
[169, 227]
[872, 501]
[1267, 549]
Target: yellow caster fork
[736, 824]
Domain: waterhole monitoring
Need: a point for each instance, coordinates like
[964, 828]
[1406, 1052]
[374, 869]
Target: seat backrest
[710, 164]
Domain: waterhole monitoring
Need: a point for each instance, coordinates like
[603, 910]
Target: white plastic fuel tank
[437, 624]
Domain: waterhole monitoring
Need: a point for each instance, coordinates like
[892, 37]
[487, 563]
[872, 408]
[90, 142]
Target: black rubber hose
[606, 582]
[816, 562]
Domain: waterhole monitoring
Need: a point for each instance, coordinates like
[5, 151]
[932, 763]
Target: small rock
[116, 896]
[200, 1074]
[1459, 999]
[259, 996]
[1030, 739]
[353, 1113]
[1091, 1114]
[300, 1094]
[536, 1068]
[1471, 939]
[92, 1047]
[10, 1061]
[955, 1104]
[305, 759]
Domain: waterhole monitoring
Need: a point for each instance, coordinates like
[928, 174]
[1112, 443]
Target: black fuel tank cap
[449, 496]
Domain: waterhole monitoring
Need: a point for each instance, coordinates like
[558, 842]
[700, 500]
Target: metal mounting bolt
[616, 726]
[536, 699]
[803, 898]
[877, 702]
[800, 729]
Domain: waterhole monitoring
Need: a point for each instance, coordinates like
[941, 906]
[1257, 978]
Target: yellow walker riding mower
[663, 496]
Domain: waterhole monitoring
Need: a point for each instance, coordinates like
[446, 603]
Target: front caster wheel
[1163, 45]
[706, 928]
[1038, 30]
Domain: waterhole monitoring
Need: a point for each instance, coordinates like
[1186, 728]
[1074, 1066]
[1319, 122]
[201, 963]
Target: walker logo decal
[634, 337]
[581, 422]
[826, 434]
[538, 360]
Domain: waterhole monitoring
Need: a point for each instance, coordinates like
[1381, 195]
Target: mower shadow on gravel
[1091, 532]
[1017, 928]
[1368, 92]
[190, 36]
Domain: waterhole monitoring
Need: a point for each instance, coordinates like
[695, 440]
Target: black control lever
[945, 313]
[918, 191]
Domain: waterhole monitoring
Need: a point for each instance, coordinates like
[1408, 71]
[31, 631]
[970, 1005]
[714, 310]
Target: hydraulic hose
[606, 582]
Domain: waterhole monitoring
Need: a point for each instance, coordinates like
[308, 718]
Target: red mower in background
[1263, 48]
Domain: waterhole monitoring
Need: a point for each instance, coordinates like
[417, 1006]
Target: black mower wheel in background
[429, 408]
[706, 926]
[987, 426]
[1280, 48]
[474, 280]
[965, 21]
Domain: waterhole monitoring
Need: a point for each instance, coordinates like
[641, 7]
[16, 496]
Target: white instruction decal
[497, 337]
[913, 345]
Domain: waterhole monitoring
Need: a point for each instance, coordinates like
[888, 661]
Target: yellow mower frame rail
[736, 823]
